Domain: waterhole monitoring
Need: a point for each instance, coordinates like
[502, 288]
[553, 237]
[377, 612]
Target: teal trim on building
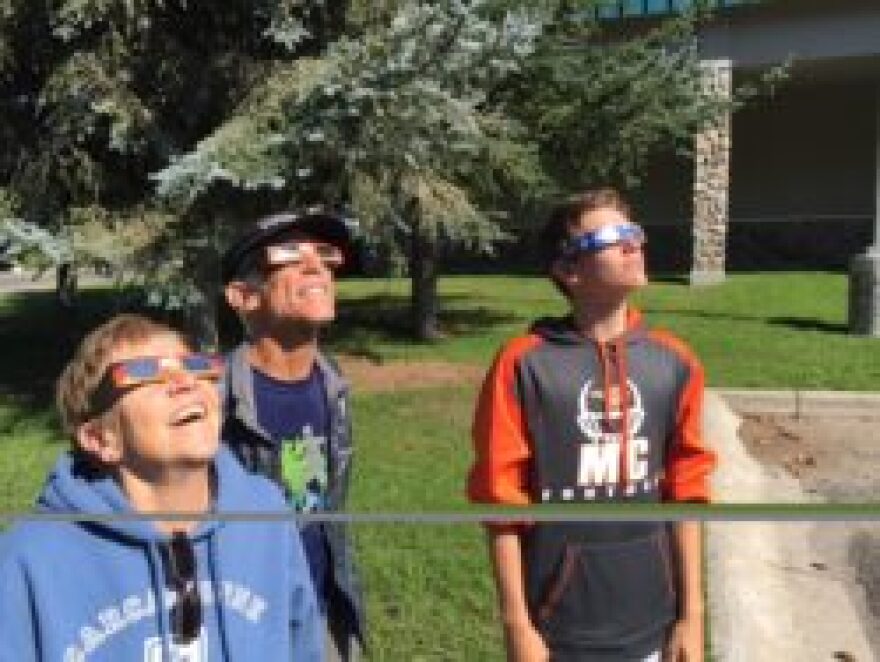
[648, 8]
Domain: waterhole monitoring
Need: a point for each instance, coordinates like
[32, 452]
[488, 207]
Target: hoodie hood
[72, 487]
[562, 330]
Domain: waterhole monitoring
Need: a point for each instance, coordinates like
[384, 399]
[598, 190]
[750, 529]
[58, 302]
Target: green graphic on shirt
[293, 466]
[304, 471]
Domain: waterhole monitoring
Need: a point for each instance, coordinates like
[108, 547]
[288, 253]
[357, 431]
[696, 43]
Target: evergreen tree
[139, 134]
[395, 121]
[95, 95]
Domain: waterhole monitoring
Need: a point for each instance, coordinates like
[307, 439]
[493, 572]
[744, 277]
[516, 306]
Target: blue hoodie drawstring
[161, 606]
[213, 572]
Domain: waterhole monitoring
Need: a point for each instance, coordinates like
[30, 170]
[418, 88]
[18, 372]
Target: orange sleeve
[500, 471]
[689, 461]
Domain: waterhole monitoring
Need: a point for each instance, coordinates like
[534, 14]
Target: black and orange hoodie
[564, 419]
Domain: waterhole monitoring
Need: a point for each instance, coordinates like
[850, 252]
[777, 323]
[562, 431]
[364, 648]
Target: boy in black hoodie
[594, 408]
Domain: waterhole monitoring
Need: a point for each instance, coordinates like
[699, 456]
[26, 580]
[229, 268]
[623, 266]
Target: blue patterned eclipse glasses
[608, 235]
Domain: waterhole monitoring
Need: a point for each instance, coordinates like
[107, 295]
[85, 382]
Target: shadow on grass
[808, 324]
[795, 323]
[704, 314]
[38, 337]
[672, 279]
[385, 318]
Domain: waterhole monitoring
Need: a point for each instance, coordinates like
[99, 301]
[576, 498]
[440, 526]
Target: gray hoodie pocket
[608, 594]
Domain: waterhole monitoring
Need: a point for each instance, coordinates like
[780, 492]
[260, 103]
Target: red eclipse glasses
[123, 376]
[152, 369]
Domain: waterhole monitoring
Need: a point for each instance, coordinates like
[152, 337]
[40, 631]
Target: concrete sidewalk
[776, 591]
[21, 281]
[800, 402]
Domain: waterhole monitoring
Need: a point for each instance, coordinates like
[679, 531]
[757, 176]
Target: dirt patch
[837, 457]
[368, 376]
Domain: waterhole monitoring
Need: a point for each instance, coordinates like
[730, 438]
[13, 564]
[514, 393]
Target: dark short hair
[566, 215]
[242, 257]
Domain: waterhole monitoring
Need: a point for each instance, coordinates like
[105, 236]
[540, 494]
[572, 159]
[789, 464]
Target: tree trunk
[65, 285]
[205, 325]
[423, 277]
[200, 320]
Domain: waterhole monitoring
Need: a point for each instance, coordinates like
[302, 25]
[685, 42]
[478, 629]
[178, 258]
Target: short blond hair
[79, 381]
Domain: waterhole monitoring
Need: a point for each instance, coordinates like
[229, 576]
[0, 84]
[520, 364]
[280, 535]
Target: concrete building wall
[802, 189]
[801, 183]
[802, 164]
[802, 177]
[807, 151]
[773, 32]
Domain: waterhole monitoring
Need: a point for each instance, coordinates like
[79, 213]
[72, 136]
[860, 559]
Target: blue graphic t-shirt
[296, 415]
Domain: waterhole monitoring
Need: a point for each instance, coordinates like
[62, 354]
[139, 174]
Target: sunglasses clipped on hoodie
[181, 577]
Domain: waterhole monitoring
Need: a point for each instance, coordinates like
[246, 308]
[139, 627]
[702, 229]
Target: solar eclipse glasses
[152, 369]
[295, 252]
[123, 376]
[602, 238]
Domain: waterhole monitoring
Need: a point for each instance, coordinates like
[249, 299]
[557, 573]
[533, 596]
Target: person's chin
[318, 318]
[636, 279]
[198, 458]
[199, 442]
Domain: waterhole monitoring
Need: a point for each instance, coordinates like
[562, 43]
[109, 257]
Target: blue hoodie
[72, 591]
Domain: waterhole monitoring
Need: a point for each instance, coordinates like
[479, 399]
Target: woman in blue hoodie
[144, 415]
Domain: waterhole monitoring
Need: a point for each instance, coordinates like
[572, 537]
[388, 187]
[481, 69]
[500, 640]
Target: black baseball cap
[318, 222]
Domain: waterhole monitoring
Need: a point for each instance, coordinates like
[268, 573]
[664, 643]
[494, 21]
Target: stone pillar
[864, 293]
[864, 271]
[712, 182]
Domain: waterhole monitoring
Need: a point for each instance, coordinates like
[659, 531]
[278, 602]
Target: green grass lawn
[413, 450]
[429, 590]
[784, 330]
[430, 594]
[29, 443]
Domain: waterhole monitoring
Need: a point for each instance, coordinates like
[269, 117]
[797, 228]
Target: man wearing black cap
[286, 413]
